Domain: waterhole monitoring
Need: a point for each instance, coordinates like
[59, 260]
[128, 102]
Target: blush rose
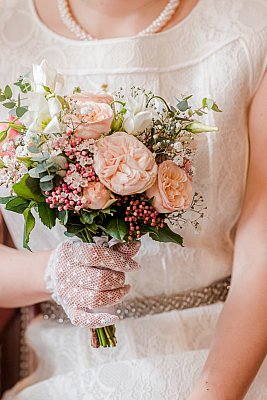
[124, 165]
[173, 189]
[96, 196]
[93, 115]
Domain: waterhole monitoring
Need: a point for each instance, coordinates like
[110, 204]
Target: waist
[142, 306]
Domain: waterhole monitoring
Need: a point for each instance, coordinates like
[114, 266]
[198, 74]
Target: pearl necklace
[68, 19]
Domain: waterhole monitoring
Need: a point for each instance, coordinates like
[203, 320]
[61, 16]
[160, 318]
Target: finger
[92, 299]
[95, 278]
[97, 256]
[112, 259]
[129, 249]
[89, 320]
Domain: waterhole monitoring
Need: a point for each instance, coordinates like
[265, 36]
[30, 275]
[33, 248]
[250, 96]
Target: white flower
[178, 160]
[42, 114]
[45, 75]
[138, 117]
[178, 146]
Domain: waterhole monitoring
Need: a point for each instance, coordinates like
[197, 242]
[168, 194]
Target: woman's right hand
[83, 277]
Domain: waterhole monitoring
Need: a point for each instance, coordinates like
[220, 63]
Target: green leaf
[20, 111]
[89, 216]
[5, 200]
[46, 186]
[8, 92]
[166, 235]
[47, 178]
[9, 104]
[183, 105]
[216, 108]
[26, 161]
[2, 97]
[74, 228]
[2, 164]
[34, 149]
[47, 215]
[207, 103]
[3, 136]
[29, 189]
[28, 227]
[63, 217]
[17, 205]
[117, 228]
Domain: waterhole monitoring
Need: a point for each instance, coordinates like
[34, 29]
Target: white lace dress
[219, 50]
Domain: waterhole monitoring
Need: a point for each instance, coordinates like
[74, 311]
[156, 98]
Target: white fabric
[219, 50]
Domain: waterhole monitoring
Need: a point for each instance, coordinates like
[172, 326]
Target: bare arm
[240, 343]
[22, 277]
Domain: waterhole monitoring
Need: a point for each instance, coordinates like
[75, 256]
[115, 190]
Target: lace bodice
[220, 51]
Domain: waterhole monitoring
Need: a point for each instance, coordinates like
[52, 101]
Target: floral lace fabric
[219, 50]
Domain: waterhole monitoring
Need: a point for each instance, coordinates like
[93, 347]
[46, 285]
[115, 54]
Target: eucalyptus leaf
[63, 217]
[183, 105]
[46, 186]
[2, 97]
[34, 149]
[47, 178]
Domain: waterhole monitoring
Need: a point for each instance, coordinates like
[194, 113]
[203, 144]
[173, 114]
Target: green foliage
[63, 217]
[117, 228]
[24, 86]
[17, 204]
[47, 215]
[166, 235]
[5, 200]
[88, 216]
[8, 92]
[183, 105]
[3, 136]
[20, 111]
[28, 188]
[28, 226]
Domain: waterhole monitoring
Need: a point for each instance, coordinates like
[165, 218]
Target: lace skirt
[158, 357]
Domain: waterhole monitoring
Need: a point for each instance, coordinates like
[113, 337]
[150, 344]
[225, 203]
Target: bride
[211, 48]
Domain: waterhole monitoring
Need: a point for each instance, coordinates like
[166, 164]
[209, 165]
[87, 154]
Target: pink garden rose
[11, 136]
[93, 115]
[173, 189]
[124, 165]
[96, 196]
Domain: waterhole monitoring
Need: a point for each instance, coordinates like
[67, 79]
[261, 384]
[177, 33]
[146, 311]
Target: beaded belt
[142, 306]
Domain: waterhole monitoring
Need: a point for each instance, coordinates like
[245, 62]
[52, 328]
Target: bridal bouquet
[105, 166]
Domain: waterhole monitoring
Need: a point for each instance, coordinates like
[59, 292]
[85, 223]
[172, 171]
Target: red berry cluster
[66, 196]
[139, 211]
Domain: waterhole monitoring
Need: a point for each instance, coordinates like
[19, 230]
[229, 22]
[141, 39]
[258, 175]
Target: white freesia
[42, 114]
[45, 75]
[137, 117]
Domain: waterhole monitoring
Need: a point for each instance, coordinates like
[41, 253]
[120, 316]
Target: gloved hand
[83, 277]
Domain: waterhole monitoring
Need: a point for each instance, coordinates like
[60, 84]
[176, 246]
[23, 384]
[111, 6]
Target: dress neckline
[67, 40]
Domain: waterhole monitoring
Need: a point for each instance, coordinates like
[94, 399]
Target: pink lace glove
[83, 277]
